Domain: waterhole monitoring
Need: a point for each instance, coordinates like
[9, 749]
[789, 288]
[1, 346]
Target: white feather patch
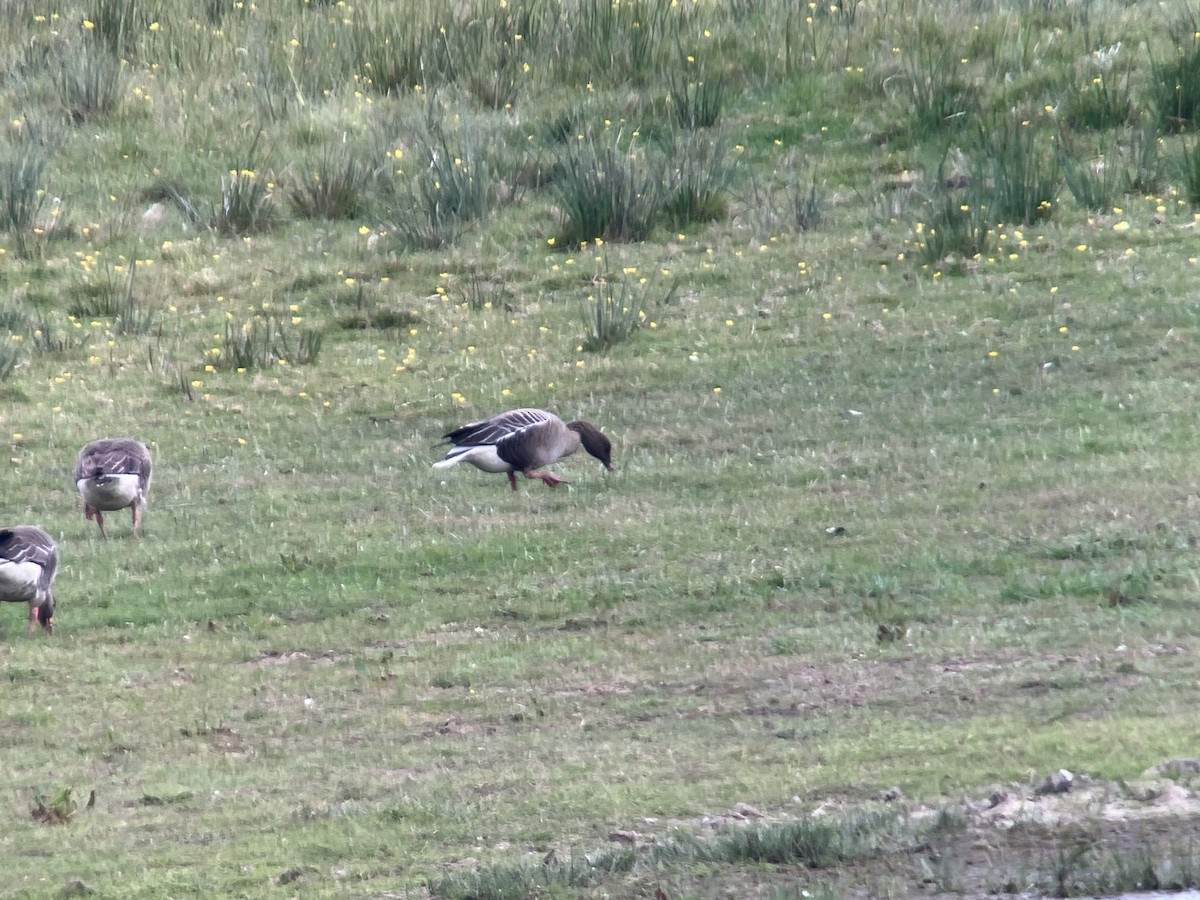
[483, 457]
[19, 581]
[110, 491]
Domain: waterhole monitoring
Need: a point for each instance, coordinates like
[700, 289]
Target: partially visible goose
[28, 563]
[113, 473]
[522, 440]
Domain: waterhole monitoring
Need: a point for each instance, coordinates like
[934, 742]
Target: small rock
[1145, 791]
[889, 632]
[1057, 783]
[1179, 768]
[154, 214]
[624, 837]
[295, 874]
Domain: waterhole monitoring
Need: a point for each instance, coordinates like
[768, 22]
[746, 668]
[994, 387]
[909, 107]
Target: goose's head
[594, 442]
[45, 613]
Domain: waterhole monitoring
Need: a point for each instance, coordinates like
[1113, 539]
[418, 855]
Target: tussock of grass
[117, 25]
[1098, 182]
[957, 224]
[1022, 168]
[511, 882]
[265, 340]
[91, 82]
[446, 184]
[704, 170]
[810, 842]
[336, 184]
[807, 843]
[10, 353]
[22, 193]
[932, 82]
[610, 317]
[607, 190]
[1176, 75]
[109, 294]
[697, 103]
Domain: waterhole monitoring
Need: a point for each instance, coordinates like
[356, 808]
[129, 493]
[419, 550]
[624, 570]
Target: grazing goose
[28, 562]
[522, 440]
[113, 473]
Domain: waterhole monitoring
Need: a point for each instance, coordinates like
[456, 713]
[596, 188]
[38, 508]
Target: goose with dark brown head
[28, 564]
[524, 440]
[112, 474]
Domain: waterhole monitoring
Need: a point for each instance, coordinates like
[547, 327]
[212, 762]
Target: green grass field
[889, 308]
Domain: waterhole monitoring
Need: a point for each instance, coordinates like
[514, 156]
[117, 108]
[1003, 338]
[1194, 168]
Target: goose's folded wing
[498, 428]
[22, 545]
[534, 445]
[113, 458]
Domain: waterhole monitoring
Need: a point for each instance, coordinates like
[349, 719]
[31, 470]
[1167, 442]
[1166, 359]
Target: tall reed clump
[90, 81]
[1189, 169]
[1019, 157]
[1105, 100]
[14, 326]
[494, 49]
[956, 224]
[263, 340]
[444, 182]
[247, 201]
[609, 317]
[511, 34]
[1145, 173]
[702, 169]
[929, 81]
[396, 55]
[796, 205]
[24, 159]
[954, 230]
[613, 315]
[629, 41]
[478, 293]
[832, 27]
[119, 24]
[1175, 81]
[609, 188]
[1097, 180]
[108, 293]
[335, 183]
[696, 100]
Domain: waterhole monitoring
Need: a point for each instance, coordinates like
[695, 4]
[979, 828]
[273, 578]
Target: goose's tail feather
[452, 458]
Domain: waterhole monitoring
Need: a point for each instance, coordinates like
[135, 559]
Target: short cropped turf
[890, 309]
